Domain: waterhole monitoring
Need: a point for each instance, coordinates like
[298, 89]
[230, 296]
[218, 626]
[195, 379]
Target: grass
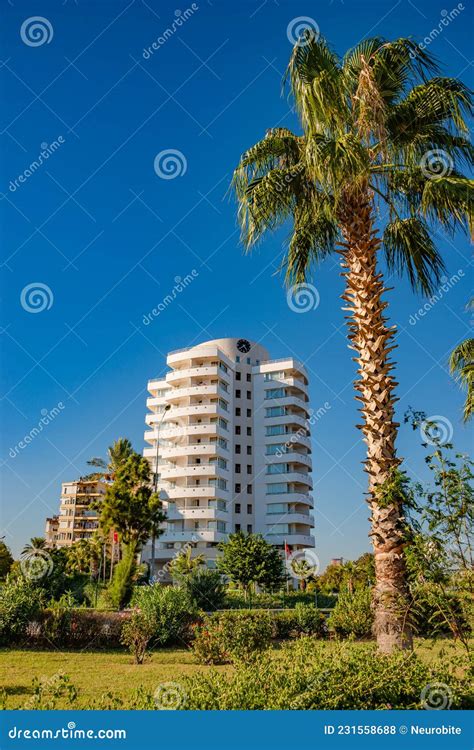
[99, 672]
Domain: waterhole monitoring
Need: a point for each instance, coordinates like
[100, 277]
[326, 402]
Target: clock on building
[243, 345]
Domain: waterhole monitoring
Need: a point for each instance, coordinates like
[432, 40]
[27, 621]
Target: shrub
[205, 589]
[232, 636]
[137, 633]
[86, 629]
[302, 677]
[20, 602]
[208, 643]
[352, 615]
[120, 589]
[170, 609]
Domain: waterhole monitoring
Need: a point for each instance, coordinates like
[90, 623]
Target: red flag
[287, 550]
[115, 537]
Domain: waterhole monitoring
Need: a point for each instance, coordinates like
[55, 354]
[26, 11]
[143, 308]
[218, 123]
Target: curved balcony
[197, 410]
[293, 540]
[176, 513]
[290, 439]
[290, 458]
[290, 516]
[176, 394]
[175, 377]
[200, 470]
[184, 493]
[197, 449]
[193, 536]
[293, 419]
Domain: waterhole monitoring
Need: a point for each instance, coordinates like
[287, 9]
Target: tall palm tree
[375, 169]
[35, 543]
[117, 454]
[461, 364]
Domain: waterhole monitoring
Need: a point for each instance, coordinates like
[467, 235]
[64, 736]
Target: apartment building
[78, 518]
[229, 438]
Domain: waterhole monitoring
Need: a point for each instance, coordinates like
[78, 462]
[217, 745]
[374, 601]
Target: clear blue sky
[108, 236]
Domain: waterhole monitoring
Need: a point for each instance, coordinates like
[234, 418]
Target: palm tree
[376, 168]
[117, 454]
[35, 543]
[184, 564]
[461, 364]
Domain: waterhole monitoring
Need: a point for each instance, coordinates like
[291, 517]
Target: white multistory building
[229, 429]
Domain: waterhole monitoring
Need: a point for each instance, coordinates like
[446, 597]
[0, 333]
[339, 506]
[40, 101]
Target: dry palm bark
[371, 339]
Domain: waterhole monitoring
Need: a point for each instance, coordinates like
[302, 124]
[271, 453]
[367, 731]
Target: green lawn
[99, 672]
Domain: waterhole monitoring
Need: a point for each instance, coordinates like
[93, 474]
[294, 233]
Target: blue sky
[108, 236]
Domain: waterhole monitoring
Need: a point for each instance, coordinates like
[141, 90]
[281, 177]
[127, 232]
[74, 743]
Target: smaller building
[78, 512]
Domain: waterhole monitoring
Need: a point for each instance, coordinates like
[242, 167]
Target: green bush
[352, 615]
[205, 589]
[304, 619]
[20, 602]
[137, 633]
[121, 587]
[302, 677]
[232, 636]
[86, 629]
[171, 611]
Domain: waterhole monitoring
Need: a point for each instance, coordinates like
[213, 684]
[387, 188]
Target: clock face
[243, 345]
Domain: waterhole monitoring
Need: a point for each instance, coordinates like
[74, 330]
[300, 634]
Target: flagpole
[287, 579]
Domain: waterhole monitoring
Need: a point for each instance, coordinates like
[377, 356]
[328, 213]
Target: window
[249, 469]
[277, 469]
[279, 528]
[223, 404]
[221, 462]
[275, 393]
[237, 507]
[249, 509]
[279, 488]
[221, 422]
[277, 508]
[249, 489]
[220, 483]
[274, 375]
[237, 468]
[237, 526]
[248, 360]
[237, 488]
[249, 394]
[238, 376]
[276, 429]
[237, 359]
[223, 386]
[223, 367]
[249, 450]
[237, 411]
[237, 429]
[249, 377]
[249, 412]
[277, 449]
[275, 411]
[249, 528]
[237, 393]
[222, 443]
[249, 431]
[237, 448]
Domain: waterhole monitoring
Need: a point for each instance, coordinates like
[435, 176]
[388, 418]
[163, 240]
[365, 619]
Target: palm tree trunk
[370, 338]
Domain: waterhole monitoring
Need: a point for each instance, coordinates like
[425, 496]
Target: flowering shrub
[208, 644]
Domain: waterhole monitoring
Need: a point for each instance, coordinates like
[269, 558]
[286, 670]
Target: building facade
[229, 437]
[78, 517]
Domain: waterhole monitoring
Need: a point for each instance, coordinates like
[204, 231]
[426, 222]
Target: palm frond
[410, 250]
[461, 364]
[449, 200]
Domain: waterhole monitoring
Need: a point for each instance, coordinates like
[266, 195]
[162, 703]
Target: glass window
[277, 508]
[278, 528]
[277, 449]
[275, 411]
[275, 393]
[278, 488]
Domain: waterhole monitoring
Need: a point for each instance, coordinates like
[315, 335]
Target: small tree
[247, 559]
[131, 508]
[6, 560]
[184, 564]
